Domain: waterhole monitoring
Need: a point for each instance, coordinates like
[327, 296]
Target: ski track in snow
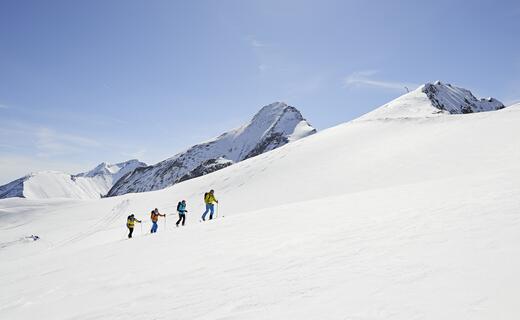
[117, 213]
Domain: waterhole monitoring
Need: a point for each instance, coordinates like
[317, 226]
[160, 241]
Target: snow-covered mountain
[273, 126]
[412, 218]
[431, 100]
[52, 184]
[113, 172]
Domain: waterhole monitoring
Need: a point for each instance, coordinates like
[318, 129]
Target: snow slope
[51, 184]
[383, 219]
[434, 99]
[273, 126]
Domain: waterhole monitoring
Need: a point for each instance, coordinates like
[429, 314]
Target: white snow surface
[516, 105]
[52, 184]
[413, 218]
[433, 100]
[273, 126]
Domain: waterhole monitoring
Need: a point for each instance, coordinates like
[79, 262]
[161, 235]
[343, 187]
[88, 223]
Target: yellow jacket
[209, 198]
[130, 222]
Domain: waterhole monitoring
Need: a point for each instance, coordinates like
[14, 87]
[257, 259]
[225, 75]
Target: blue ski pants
[210, 207]
[154, 227]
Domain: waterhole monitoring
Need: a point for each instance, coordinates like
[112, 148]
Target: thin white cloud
[259, 49]
[366, 79]
[51, 143]
[26, 147]
[257, 44]
[3, 106]
[263, 67]
[254, 42]
[42, 141]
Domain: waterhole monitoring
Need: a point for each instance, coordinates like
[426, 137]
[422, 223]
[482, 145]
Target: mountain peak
[456, 100]
[433, 99]
[272, 112]
[275, 106]
[118, 169]
[275, 125]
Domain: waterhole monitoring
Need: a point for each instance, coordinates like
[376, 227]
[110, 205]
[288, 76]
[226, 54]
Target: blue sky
[83, 82]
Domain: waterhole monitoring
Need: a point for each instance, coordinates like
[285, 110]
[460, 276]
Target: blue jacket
[181, 208]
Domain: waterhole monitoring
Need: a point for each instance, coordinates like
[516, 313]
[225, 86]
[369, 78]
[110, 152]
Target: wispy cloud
[254, 42]
[263, 67]
[259, 49]
[366, 78]
[27, 147]
[41, 140]
[3, 106]
[51, 143]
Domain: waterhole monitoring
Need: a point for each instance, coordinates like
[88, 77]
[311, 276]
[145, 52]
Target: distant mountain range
[273, 126]
[51, 184]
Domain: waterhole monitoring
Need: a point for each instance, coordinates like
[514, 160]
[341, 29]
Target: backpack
[206, 196]
[179, 206]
